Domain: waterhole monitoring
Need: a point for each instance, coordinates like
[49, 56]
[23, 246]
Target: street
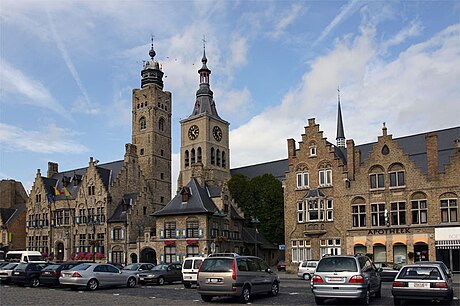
[293, 291]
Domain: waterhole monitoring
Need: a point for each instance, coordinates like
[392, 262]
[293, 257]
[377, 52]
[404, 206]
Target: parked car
[117, 265]
[49, 275]
[346, 276]
[239, 276]
[27, 273]
[389, 270]
[3, 263]
[440, 263]
[95, 275]
[137, 268]
[422, 282]
[24, 256]
[162, 273]
[190, 268]
[6, 271]
[281, 266]
[307, 268]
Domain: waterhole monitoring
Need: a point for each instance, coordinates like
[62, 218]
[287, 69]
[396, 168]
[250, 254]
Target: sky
[67, 70]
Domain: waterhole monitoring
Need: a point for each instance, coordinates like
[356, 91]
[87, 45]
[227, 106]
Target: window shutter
[200, 232]
[184, 233]
[162, 234]
[110, 256]
[177, 257]
[162, 257]
[122, 234]
[177, 233]
[111, 233]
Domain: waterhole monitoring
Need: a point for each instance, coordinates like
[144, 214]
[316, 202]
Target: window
[192, 152]
[224, 160]
[117, 233]
[170, 229]
[329, 210]
[142, 151]
[325, 177]
[59, 217]
[162, 175]
[449, 210]
[161, 124]
[419, 211]
[186, 158]
[300, 212]
[397, 179]
[144, 210]
[358, 212]
[82, 240]
[66, 217]
[199, 157]
[303, 180]
[301, 250]
[312, 151]
[192, 229]
[118, 257]
[314, 211]
[218, 157]
[100, 239]
[170, 254]
[215, 229]
[143, 123]
[398, 213]
[213, 156]
[91, 190]
[377, 181]
[192, 250]
[333, 247]
[378, 214]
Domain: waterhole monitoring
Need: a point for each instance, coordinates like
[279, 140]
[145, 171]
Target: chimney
[351, 159]
[432, 155]
[52, 169]
[357, 160]
[311, 122]
[291, 148]
[130, 151]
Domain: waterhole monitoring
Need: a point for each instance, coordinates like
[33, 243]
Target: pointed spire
[152, 52]
[340, 132]
[204, 71]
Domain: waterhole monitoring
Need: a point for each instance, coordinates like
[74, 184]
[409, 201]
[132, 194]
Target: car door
[100, 273]
[256, 277]
[371, 272]
[265, 275]
[115, 277]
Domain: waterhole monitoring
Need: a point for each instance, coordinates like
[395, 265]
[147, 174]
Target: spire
[204, 71]
[151, 72]
[340, 132]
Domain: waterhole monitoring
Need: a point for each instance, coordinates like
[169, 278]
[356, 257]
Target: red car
[281, 266]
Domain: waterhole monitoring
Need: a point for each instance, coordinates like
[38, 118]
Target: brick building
[13, 199]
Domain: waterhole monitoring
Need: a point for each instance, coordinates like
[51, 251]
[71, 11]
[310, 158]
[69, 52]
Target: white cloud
[52, 139]
[119, 114]
[414, 29]
[287, 18]
[34, 93]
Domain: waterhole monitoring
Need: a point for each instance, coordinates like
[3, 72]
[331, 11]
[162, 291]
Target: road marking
[152, 297]
[116, 294]
[293, 293]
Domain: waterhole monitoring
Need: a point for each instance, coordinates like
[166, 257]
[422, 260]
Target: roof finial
[204, 60]
[338, 94]
[152, 52]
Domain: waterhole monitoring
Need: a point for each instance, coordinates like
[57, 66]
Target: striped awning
[448, 244]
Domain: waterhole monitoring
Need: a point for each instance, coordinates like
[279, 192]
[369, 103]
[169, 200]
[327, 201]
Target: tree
[261, 196]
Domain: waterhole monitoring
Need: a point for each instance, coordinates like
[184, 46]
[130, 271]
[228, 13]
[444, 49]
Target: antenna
[204, 41]
[338, 94]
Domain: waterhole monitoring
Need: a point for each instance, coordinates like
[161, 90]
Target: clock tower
[204, 138]
[151, 130]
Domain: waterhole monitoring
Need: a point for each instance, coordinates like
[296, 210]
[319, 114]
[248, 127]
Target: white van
[24, 256]
[190, 268]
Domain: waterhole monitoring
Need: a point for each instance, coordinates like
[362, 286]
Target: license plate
[141, 278]
[214, 280]
[419, 285]
[335, 279]
[187, 277]
[46, 273]
[16, 273]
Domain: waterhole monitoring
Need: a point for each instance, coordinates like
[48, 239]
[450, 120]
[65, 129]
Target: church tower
[151, 129]
[340, 132]
[204, 138]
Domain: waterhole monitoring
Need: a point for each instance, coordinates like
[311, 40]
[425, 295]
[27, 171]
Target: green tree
[261, 196]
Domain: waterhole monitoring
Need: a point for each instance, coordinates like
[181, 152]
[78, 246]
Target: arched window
[143, 123]
[199, 155]
[397, 175]
[192, 152]
[358, 212]
[376, 177]
[218, 157]
[419, 208]
[449, 207]
[224, 160]
[186, 158]
[325, 174]
[213, 156]
[161, 124]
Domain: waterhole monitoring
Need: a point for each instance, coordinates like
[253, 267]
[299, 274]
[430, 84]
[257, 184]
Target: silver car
[307, 268]
[346, 276]
[95, 275]
[6, 271]
[136, 268]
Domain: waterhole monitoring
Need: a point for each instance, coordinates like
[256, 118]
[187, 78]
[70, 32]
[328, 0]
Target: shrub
[99, 256]
[89, 256]
[80, 256]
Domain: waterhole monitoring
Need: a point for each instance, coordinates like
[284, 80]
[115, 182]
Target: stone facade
[374, 198]
[13, 199]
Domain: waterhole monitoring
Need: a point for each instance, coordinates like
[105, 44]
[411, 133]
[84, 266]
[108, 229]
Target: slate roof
[119, 215]
[413, 145]
[248, 236]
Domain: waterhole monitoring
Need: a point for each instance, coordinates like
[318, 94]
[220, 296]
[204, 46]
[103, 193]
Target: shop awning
[448, 244]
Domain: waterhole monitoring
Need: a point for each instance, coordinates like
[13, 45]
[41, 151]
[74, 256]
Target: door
[265, 275]
[115, 277]
[60, 251]
[100, 272]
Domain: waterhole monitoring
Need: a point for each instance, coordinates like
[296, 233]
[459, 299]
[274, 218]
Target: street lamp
[255, 221]
[95, 243]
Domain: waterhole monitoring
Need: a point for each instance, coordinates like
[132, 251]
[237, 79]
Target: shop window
[380, 253]
[360, 249]
[301, 250]
[399, 253]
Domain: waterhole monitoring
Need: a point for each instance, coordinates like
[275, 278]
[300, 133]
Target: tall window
[161, 124]
[199, 155]
[192, 250]
[82, 240]
[170, 254]
[419, 211]
[397, 174]
[117, 257]
[325, 177]
[301, 212]
[117, 235]
[378, 214]
[193, 156]
[143, 123]
[449, 210]
[186, 158]
[329, 210]
[215, 229]
[303, 180]
[315, 212]
[301, 250]
[192, 229]
[218, 157]
[330, 247]
[224, 160]
[398, 213]
[213, 156]
[358, 212]
[170, 229]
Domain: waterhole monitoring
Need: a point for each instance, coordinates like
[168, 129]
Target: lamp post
[255, 221]
[92, 221]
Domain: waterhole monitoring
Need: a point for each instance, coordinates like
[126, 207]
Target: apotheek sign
[386, 231]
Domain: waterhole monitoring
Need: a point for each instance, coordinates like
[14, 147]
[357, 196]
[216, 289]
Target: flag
[57, 191]
[66, 192]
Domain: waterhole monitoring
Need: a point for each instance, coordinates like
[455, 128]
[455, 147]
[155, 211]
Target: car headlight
[151, 275]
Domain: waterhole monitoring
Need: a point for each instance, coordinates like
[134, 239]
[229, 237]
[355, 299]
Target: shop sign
[388, 231]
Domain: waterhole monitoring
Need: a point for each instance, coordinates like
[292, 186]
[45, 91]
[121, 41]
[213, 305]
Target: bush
[100, 256]
[89, 256]
[73, 256]
[80, 256]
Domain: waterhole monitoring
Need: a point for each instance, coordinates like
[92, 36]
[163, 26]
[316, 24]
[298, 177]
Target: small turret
[151, 72]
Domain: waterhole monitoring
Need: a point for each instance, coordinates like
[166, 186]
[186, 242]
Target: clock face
[217, 133]
[193, 132]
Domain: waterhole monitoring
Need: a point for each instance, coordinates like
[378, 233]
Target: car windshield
[21, 266]
[35, 258]
[81, 267]
[52, 267]
[337, 264]
[9, 266]
[131, 267]
[217, 265]
[160, 267]
[421, 273]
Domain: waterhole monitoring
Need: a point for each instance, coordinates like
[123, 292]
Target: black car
[389, 270]
[27, 273]
[162, 273]
[49, 275]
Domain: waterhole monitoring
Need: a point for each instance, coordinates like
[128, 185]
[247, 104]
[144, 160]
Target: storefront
[448, 246]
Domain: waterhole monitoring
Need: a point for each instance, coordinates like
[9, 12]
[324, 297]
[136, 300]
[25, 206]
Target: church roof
[199, 202]
[340, 131]
[413, 145]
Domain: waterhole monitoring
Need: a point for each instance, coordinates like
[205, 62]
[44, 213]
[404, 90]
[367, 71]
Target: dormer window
[312, 148]
[185, 192]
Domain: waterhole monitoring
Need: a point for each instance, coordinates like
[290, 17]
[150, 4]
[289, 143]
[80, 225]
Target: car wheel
[131, 282]
[396, 301]
[206, 298]
[187, 285]
[245, 295]
[161, 280]
[378, 293]
[34, 282]
[367, 298]
[275, 289]
[92, 284]
[319, 301]
[306, 276]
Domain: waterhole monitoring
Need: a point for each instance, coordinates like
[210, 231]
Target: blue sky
[67, 70]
